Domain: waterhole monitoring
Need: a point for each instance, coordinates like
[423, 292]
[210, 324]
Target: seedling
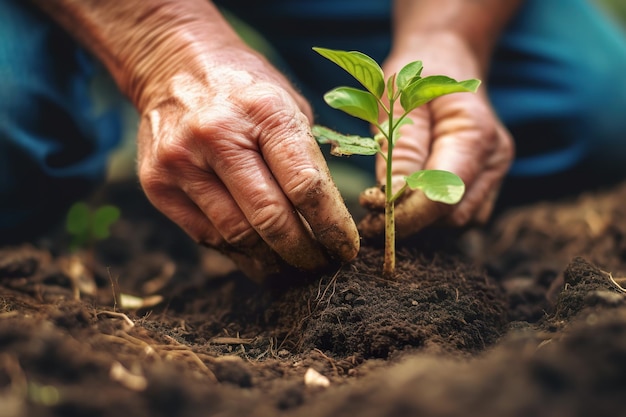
[411, 90]
[86, 225]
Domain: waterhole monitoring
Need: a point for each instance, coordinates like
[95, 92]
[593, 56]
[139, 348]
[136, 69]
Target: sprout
[87, 226]
[412, 91]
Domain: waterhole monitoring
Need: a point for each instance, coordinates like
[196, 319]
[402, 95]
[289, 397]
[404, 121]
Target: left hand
[459, 133]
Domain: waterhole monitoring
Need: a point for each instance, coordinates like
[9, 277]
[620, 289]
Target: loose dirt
[524, 317]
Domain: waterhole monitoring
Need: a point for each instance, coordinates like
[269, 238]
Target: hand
[224, 145]
[459, 133]
[226, 152]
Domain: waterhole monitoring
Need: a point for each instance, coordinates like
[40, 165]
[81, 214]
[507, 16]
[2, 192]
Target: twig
[333, 281]
[230, 341]
[195, 359]
[330, 360]
[618, 287]
[122, 316]
[113, 288]
[162, 351]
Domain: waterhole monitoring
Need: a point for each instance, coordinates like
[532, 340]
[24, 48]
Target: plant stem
[389, 264]
[399, 193]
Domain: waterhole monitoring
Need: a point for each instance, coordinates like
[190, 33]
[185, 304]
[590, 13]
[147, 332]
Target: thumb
[413, 212]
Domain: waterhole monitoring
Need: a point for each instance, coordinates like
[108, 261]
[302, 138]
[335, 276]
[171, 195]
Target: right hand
[224, 146]
[225, 151]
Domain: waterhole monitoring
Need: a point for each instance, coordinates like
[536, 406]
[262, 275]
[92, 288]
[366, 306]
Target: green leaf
[438, 185]
[355, 102]
[425, 89]
[103, 218]
[360, 66]
[391, 91]
[345, 144]
[78, 219]
[409, 73]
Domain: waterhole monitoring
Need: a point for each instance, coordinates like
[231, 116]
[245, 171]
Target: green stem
[399, 193]
[389, 264]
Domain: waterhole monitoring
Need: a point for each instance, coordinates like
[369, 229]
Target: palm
[461, 134]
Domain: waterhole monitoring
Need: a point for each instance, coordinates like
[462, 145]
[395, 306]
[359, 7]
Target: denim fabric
[54, 139]
[555, 79]
[556, 83]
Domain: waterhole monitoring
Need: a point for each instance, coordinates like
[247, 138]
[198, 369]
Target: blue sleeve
[556, 84]
[54, 139]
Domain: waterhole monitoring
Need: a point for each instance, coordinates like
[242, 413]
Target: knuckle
[273, 108]
[240, 234]
[152, 181]
[305, 188]
[270, 222]
[265, 95]
[285, 119]
[172, 156]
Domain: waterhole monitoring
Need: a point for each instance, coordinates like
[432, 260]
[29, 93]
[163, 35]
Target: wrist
[442, 53]
[477, 24]
[176, 41]
[144, 43]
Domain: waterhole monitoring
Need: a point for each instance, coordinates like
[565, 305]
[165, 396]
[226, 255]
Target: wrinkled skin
[225, 148]
[224, 145]
[458, 132]
[228, 155]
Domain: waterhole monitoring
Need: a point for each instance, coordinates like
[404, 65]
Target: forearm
[478, 22]
[144, 42]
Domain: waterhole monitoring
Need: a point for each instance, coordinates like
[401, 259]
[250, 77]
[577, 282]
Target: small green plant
[411, 90]
[87, 225]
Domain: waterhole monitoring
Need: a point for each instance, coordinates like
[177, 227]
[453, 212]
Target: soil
[523, 317]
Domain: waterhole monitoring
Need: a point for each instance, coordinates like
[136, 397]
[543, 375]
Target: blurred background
[349, 180]
[617, 8]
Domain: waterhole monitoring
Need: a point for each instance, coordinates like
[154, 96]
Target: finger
[261, 200]
[211, 196]
[256, 260]
[174, 203]
[257, 263]
[412, 213]
[372, 199]
[241, 243]
[271, 214]
[481, 157]
[180, 184]
[478, 201]
[299, 168]
[490, 183]
[462, 143]
[411, 149]
[486, 209]
[309, 186]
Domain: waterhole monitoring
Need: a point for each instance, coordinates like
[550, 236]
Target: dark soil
[525, 317]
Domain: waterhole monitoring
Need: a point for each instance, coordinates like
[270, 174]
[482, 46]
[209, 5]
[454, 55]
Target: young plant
[87, 225]
[408, 89]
